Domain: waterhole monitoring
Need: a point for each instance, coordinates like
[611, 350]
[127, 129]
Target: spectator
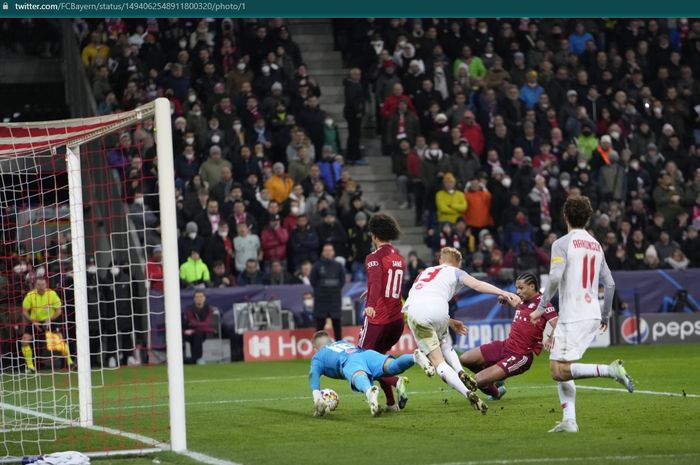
[211, 169]
[665, 247]
[330, 231]
[478, 213]
[471, 131]
[219, 248]
[360, 241]
[278, 275]
[636, 250]
[300, 168]
[246, 247]
[280, 185]
[353, 112]
[327, 278]
[450, 202]
[531, 91]
[274, 241]
[189, 241]
[220, 277]
[251, 274]
[303, 274]
[154, 269]
[303, 243]
[330, 169]
[198, 324]
[194, 272]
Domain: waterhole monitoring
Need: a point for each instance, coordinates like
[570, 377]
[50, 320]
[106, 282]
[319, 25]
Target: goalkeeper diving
[41, 307]
[342, 360]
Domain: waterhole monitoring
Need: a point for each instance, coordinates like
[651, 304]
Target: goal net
[85, 364]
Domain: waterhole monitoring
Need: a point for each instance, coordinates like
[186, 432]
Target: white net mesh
[41, 261]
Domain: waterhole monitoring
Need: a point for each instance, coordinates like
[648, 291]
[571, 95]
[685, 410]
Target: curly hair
[578, 211]
[384, 227]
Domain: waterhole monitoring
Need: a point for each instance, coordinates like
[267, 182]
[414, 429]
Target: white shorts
[572, 339]
[428, 321]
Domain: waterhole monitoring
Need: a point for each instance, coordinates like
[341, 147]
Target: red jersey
[526, 338]
[384, 267]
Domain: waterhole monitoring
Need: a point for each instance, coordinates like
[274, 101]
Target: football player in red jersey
[497, 360]
[383, 325]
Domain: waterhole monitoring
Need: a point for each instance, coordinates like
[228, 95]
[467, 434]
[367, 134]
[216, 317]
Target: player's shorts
[428, 320]
[572, 339]
[512, 364]
[369, 361]
[380, 337]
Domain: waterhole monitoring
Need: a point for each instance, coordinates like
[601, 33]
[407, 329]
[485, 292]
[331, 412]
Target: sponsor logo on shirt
[372, 263]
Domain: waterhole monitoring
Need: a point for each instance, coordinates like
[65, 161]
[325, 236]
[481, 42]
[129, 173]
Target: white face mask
[615, 135]
[308, 302]
[565, 183]
[189, 140]
[582, 165]
[192, 235]
[274, 66]
[223, 233]
[183, 43]
[92, 269]
[294, 211]
[546, 227]
[21, 268]
[197, 113]
[266, 70]
[240, 66]
[189, 156]
[138, 200]
[114, 270]
[634, 165]
[506, 182]
[192, 98]
[329, 122]
[237, 127]
[463, 149]
[488, 242]
[40, 272]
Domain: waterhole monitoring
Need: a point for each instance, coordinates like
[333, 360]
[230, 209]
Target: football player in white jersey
[577, 265]
[429, 319]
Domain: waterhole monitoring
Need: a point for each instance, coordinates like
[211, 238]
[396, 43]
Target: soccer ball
[331, 398]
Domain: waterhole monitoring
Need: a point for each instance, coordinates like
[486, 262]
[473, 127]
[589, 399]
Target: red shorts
[512, 364]
[380, 337]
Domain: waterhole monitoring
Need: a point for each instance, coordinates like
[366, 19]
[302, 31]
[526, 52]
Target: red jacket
[474, 135]
[199, 319]
[154, 273]
[413, 165]
[391, 103]
[274, 243]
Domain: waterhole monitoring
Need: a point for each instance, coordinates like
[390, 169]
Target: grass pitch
[260, 414]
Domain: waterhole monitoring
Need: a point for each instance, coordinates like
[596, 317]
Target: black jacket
[327, 278]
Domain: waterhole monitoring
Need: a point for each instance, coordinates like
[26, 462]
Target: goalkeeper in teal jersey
[342, 360]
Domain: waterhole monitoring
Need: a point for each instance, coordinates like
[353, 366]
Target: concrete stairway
[378, 183]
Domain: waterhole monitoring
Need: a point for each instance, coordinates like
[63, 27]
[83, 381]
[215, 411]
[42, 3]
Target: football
[331, 398]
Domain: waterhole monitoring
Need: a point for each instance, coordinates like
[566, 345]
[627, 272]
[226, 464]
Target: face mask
[183, 43]
[582, 165]
[657, 111]
[192, 98]
[40, 272]
[114, 270]
[506, 182]
[615, 135]
[565, 183]
[329, 122]
[546, 227]
[240, 66]
[189, 156]
[488, 243]
[294, 211]
[21, 268]
[192, 235]
[435, 152]
[634, 165]
[274, 66]
[266, 70]
[237, 127]
[189, 140]
[92, 269]
[483, 30]
[308, 302]
[138, 200]
[197, 113]
[215, 138]
[223, 234]
[463, 149]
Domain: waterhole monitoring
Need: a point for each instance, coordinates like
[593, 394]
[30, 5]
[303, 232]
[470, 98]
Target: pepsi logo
[628, 330]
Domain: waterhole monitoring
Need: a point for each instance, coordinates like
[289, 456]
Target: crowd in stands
[492, 124]
[261, 182]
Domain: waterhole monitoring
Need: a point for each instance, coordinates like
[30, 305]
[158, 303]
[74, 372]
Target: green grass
[260, 413]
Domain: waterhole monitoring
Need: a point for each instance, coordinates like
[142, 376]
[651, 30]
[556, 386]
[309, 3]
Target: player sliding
[383, 325]
[342, 360]
[577, 265]
[497, 360]
[428, 318]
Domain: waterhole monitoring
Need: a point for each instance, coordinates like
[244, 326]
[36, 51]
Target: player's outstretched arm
[320, 406]
[608, 283]
[486, 288]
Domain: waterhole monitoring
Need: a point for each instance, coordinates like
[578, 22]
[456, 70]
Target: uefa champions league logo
[628, 330]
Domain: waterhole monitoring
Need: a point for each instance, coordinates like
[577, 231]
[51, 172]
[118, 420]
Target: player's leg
[371, 338]
[361, 382]
[564, 348]
[486, 381]
[452, 359]
[27, 351]
[473, 359]
[396, 366]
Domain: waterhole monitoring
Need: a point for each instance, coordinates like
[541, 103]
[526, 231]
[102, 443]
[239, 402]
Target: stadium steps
[315, 39]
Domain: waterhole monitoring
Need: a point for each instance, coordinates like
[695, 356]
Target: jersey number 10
[393, 284]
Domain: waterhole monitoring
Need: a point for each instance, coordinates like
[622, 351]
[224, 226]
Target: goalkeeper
[41, 306]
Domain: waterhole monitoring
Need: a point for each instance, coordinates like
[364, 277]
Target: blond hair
[451, 254]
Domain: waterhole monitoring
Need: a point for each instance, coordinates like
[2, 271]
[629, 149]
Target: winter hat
[606, 139]
[360, 216]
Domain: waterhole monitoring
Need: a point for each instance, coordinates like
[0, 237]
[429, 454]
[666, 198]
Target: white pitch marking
[593, 459]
